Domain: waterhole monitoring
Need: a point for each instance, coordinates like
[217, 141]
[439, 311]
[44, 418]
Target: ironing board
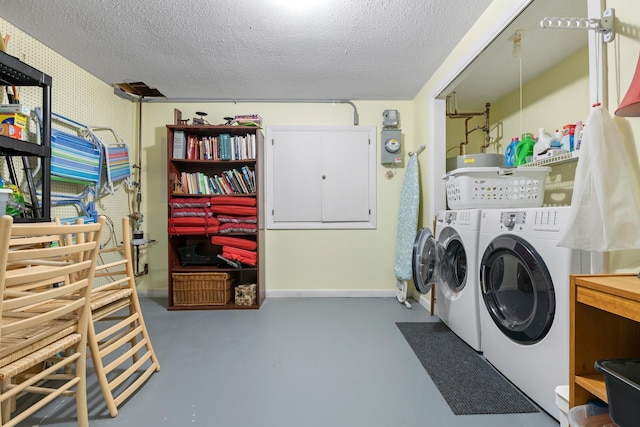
[407, 226]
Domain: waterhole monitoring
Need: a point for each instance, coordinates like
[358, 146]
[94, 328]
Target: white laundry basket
[496, 187]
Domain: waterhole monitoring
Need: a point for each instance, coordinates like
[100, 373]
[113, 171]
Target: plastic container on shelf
[524, 149]
[622, 380]
[510, 152]
[4, 198]
[496, 187]
[579, 416]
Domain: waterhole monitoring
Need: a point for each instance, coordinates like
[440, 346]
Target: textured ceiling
[254, 49]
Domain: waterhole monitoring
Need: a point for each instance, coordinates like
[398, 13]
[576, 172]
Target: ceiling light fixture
[298, 5]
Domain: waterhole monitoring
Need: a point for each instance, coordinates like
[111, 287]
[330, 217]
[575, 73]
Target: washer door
[517, 289]
[453, 268]
[425, 260]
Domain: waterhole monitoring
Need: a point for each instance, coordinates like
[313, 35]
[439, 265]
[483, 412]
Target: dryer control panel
[544, 220]
[511, 219]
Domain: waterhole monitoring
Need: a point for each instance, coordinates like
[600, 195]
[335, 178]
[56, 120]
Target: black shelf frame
[14, 72]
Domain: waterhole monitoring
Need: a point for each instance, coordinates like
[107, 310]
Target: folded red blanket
[235, 242]
[244, 256]
[252, 219]
[232, 227]
[189, 202]
[227, 200]
[179, 212]
[234, 209]
[202, 231]
[193, 221]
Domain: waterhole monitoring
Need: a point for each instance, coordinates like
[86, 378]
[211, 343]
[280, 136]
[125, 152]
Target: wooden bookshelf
[197, 170]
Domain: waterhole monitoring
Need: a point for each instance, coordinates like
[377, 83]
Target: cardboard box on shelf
[15, 108]
[16, 119]
[12, 131]
[17, 123]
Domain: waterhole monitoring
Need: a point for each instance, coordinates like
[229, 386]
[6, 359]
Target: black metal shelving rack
[14, 72]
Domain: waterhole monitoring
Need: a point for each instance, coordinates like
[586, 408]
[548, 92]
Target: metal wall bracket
[604, 25]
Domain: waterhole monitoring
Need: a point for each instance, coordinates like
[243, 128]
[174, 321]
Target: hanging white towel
[604, 214]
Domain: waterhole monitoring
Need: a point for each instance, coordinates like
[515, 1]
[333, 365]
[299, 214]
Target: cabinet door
[321, 177]
[296, 172]
[345, 183]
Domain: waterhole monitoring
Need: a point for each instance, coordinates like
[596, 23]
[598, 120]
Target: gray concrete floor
[295, 362]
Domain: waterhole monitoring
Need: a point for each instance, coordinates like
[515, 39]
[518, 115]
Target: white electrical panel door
[296, 170]
[321, 177]
[345, 183]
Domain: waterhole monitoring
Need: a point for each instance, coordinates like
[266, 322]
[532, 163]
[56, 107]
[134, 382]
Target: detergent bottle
[510, 152]
[524, 149]
[543, 144]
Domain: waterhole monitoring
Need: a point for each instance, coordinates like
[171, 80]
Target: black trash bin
[622, 380]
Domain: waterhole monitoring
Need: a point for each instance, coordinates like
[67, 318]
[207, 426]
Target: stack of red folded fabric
[236, 214]
[191, 216]
[237, 249]
[193, 225]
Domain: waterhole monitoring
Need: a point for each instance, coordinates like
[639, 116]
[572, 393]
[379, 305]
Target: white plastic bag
[605, 213]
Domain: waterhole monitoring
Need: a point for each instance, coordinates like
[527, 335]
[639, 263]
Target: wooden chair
[122, 354]
[46, 290]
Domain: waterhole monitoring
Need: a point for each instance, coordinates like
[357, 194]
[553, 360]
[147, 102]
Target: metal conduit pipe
[356, 118]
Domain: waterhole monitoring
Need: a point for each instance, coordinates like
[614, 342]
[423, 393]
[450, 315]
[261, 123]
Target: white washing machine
[524, 307]
[450, 261]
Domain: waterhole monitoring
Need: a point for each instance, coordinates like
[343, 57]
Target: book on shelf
[192, 147]
[224, 146]
[244, 119]
[243, 185]
[179, 145]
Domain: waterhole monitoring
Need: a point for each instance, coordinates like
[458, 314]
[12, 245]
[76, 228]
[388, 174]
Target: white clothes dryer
[524, 283]
[448, 258]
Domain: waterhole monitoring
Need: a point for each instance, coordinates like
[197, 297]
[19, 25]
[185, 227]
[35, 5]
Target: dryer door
[517, 289]
[453, 266]
[425, 260]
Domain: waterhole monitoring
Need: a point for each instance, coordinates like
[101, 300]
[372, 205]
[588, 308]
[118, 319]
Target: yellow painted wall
[295, 259]
[352, 259]
[621, 59]
[79, 96]
[314, 259]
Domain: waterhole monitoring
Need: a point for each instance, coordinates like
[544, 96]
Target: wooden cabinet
[204, 214]
[605, 324]
[14, 72]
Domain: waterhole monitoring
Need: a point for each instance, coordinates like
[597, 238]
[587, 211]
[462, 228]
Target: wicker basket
[202, 289]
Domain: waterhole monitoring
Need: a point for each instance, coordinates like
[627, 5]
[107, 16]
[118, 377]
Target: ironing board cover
[407, 220]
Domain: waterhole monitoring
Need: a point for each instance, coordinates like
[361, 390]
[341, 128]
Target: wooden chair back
[119, 343]
[46, 292]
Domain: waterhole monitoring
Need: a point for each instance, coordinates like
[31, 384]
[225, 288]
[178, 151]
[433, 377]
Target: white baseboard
[302, 293]
[425, 301]
[331, 293]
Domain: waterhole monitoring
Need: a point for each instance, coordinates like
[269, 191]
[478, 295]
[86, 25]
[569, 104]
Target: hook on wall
[604, 25]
